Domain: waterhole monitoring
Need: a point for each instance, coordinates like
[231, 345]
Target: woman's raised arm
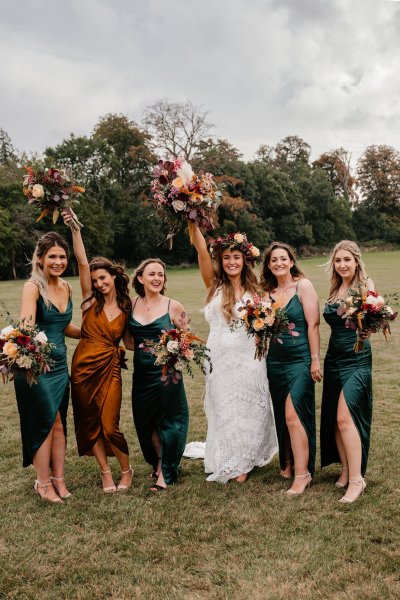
[204, 258]
[81, 258]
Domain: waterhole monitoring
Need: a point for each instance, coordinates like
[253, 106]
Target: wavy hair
[268, 281]
[139, 287]
[121, 283]
[360, 279]
[222, 282]
[37, 276]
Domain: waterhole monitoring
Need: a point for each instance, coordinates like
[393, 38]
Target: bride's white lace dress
[241, 427]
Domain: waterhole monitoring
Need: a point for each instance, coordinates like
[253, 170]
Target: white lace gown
[241, 427]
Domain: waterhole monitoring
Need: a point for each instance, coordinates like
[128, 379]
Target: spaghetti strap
[133, 307]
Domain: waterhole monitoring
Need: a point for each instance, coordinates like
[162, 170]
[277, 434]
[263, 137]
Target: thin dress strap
[133, 307]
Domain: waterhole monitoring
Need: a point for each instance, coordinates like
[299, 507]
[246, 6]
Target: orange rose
[10, 349]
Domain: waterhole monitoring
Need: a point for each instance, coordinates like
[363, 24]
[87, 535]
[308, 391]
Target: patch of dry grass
[203, 540]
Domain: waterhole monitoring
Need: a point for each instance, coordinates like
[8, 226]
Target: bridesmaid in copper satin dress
[96, 384]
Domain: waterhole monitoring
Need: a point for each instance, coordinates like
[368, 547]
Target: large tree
[176, 128]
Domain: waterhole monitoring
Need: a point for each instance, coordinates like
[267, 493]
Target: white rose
[238, 237]
[38, 191]
[371, 300]
[6, 331]
[40, 338]
[172, 345]
[255, 252]
[25, 362]
[185, 172]
[178, 205]
[178, 366]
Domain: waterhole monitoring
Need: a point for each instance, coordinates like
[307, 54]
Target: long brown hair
[248, 280]
[37, 276]
[139, 287]
[360, 279]
[268, 280]
[121, 283]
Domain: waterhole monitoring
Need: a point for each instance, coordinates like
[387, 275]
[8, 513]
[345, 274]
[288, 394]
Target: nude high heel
[342, 485]
[111, 489]
[362, 484]
[123, 488]
[67, 495]
[39, 485]
[292, 492]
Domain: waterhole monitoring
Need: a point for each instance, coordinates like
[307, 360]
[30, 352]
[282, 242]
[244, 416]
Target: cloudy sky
[327, 70]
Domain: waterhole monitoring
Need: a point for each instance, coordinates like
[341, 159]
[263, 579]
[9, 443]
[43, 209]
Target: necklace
[111, 314]
[149, 306]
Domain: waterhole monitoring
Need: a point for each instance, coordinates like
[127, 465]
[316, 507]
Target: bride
[241, 428]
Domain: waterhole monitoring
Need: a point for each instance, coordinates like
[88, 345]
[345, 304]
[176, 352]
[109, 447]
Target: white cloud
[327, 71]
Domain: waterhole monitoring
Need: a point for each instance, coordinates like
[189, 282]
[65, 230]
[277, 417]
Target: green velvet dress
[39, 404]
[351, 372]
[288, 368]
[155, 406]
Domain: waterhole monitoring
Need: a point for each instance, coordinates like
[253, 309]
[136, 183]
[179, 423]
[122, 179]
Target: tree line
[280, 194]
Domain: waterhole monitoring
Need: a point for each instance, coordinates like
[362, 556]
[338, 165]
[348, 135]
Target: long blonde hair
[37, 276]
[360, 279]
[222, 282]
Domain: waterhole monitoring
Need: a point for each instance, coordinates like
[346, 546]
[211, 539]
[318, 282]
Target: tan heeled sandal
[338, 483]
[67, 495]
[111, 489]
[39, 485]
[362, 484]
[123, 488]
[292, 492]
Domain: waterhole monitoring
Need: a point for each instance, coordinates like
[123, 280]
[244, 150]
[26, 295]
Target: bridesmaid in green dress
[46, 301]
[293, 366]
[160, 411]
[346, 411]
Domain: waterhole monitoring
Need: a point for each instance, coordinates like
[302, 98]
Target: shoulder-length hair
[222, 282]
[121, 283]
[360, 279]
[268, 280]
[37, 276]
[139, 287]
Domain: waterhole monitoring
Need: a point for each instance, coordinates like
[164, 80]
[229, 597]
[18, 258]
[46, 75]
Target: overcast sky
[327, 70]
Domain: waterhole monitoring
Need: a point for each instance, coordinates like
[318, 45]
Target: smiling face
[280, 262]
[232, 262]
[345, 264]
[153, 278]
[103, 281]
[54, 262]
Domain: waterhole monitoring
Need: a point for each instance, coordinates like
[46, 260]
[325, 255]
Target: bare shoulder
[176, 306]
[31, 289]
[66, 286]
[305, 285]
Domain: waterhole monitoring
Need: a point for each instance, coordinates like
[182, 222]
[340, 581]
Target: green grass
[205, 540]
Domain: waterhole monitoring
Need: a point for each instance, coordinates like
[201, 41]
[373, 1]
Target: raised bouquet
[175, 351]
[182, 196]
[52, 190]
[265, 320]
[24, 349]
[365, 311]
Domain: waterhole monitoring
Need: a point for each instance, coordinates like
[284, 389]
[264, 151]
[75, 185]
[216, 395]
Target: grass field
[205, 540]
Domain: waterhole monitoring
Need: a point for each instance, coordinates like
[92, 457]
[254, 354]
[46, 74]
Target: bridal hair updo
[37, 276]
[335, 281]
[121, 283]
[268, 280]
[139, 287]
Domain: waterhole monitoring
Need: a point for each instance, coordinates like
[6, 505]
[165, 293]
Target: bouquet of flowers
[182, 196]
[175, 351]
[24, 349]
[52, 190]
[265, 320]
[366, 310]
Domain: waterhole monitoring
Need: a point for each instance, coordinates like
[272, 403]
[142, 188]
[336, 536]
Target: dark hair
[139, 287]
[121, 284]
[47, 241]
[268, 280]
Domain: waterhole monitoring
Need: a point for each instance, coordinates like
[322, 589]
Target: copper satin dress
[96, 383]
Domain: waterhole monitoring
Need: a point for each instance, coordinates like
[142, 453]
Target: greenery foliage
[278, 195]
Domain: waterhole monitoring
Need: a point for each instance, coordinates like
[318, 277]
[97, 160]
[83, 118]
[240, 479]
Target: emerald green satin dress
[288, 369]
[351, 372]
[155, 406]
[39, 404]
